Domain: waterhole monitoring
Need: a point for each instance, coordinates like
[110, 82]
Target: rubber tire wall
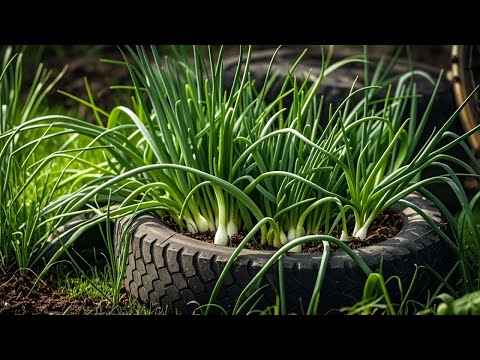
[170, 269]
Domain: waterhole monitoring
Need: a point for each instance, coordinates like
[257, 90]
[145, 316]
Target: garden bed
[167, 268]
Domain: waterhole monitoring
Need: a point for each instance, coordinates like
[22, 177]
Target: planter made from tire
[336, 86]
[169, 269]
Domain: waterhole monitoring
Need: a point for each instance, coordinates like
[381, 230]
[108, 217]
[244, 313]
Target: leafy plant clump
[224, 162]
[229, 161]
[20, 223]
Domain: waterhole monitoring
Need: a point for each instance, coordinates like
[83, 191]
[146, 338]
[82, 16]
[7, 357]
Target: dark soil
[386, 226]
[19, 297]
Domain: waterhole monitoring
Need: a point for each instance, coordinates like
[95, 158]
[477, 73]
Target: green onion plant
[20, 232]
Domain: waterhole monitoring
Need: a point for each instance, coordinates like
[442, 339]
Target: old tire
[169, 269]
[88, 250]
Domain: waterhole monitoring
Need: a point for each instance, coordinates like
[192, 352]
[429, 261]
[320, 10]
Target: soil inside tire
[385, 226]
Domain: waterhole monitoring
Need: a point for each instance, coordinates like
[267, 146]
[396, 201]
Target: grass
[96, 285]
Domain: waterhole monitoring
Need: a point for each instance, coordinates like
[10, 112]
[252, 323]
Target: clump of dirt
[18, 296]
[385, 226]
